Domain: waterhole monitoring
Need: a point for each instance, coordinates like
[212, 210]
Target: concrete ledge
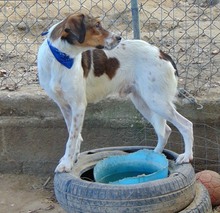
[33, 133]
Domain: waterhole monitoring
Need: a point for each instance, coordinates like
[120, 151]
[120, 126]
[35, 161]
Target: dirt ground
[27, 194]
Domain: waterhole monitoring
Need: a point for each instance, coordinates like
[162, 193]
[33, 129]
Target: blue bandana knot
[63, 58]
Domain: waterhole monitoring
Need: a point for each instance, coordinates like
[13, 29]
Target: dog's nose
[118, 38]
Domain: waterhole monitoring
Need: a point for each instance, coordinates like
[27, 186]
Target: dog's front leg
[74, 140]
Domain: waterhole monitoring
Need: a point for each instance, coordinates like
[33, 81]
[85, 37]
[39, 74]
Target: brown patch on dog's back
[104, 65]
[166, 57]
[86, 62]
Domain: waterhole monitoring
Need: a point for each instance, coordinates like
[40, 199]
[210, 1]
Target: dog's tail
[168, 58]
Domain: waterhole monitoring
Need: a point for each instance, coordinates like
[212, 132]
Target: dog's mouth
[107, 47]
[112, 42]
[100, 47]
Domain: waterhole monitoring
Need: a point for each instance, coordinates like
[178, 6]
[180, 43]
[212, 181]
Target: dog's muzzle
[112, 41]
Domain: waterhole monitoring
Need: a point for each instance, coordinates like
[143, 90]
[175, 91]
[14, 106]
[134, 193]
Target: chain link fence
[188, 30]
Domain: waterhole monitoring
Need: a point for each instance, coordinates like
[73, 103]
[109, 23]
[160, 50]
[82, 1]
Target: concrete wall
[33, 133]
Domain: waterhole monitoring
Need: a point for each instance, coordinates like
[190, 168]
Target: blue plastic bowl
[138, 167]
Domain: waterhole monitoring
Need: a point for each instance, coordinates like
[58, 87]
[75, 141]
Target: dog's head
[86, 31]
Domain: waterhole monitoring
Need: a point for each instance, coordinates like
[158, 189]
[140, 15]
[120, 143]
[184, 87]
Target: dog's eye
[98, 25]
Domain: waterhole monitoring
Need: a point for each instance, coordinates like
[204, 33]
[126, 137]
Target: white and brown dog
[74, 71]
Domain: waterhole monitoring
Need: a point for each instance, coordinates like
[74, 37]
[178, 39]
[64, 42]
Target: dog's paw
[65, 165]
[184, 158]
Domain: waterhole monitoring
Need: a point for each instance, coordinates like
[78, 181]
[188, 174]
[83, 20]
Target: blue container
[138, 167]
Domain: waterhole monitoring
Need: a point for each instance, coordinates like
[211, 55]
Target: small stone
[215, 52]
[3, 73]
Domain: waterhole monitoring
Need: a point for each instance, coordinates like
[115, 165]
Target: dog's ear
[75, 29]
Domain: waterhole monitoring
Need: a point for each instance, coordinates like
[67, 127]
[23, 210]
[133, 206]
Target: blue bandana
[63, 58]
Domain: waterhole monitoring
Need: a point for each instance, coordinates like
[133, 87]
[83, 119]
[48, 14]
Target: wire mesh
[206, 144]
[189, 30]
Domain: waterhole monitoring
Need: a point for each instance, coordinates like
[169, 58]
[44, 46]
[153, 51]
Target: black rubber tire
[201, 202]
[168, 195]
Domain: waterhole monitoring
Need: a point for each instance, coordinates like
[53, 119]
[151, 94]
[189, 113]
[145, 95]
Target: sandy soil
[26, 194]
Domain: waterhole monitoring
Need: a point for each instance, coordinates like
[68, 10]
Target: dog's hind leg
[186, 129]
[163, 132]
[160, 126]
[166, 109]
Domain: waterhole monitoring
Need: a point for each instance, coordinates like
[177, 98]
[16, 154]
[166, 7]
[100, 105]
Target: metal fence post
[135, 19]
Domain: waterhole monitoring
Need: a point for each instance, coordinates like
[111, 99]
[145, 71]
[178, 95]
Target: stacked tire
[78, 193]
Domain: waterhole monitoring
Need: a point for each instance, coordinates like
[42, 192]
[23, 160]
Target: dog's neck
[61, 57]
[63, 51]
[63, 45]
[67, 48]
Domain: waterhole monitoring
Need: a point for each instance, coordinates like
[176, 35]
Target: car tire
[78, 193]
[201, 202]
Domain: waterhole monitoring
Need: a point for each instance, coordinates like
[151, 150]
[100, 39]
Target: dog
[80, 62]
